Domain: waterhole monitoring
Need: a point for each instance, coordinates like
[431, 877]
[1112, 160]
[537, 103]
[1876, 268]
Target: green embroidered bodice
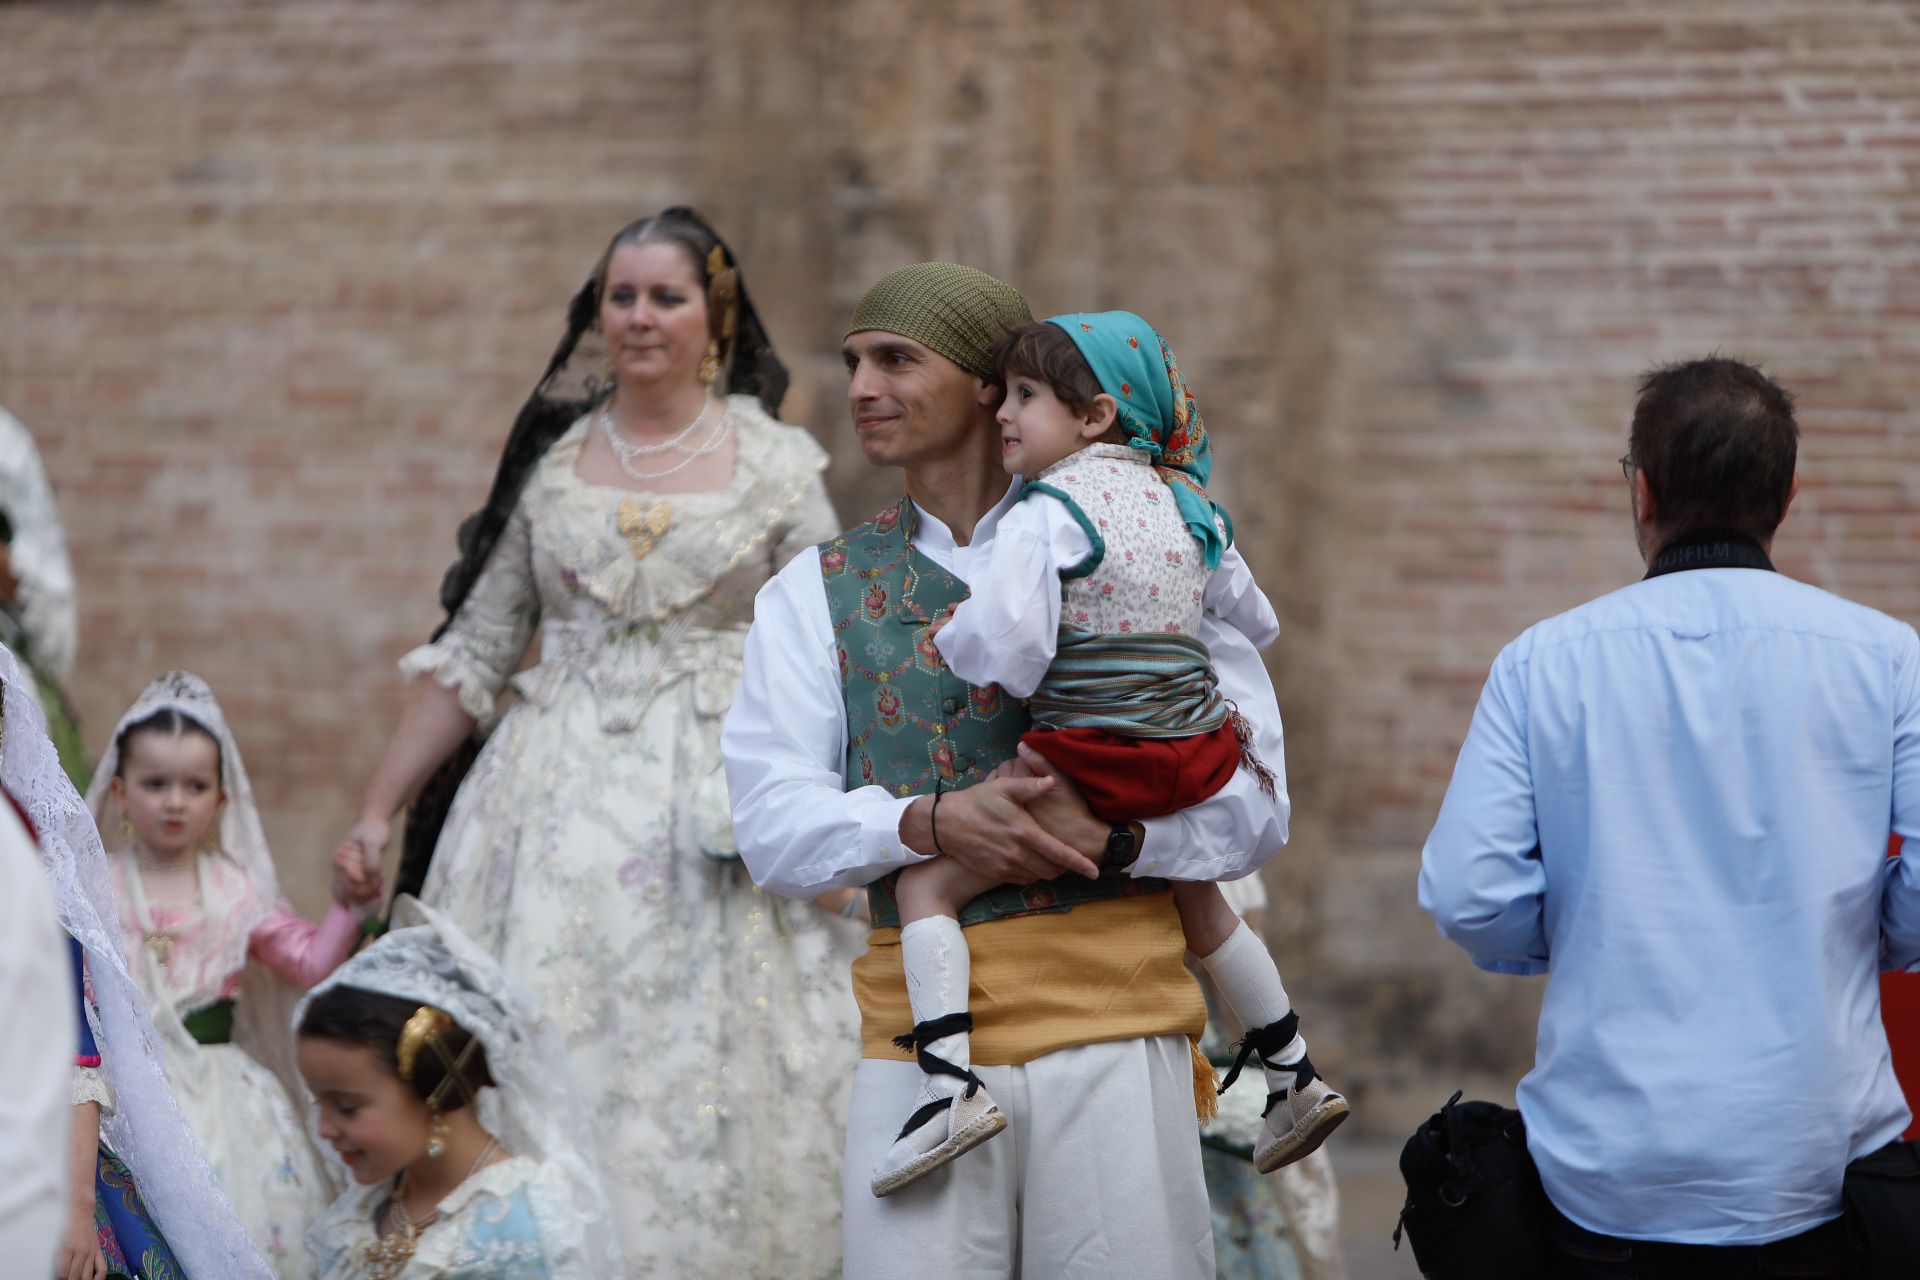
[913, 726]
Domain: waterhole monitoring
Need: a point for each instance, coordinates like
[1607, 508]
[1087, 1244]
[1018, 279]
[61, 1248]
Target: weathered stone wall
[274, 278]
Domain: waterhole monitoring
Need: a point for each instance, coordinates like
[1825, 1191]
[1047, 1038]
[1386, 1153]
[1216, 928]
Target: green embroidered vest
[912, 725]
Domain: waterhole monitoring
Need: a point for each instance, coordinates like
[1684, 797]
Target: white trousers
[1097, 1174]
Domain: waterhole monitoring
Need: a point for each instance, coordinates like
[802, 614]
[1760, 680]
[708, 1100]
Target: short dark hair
[172, 722]
[1717, 440]
[1045, 353]
[354, 1015]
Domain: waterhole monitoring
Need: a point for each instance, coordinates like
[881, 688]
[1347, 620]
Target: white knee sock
[1248, 980]
[934, 954]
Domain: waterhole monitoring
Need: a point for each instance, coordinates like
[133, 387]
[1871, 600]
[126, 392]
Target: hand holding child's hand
[356, 867]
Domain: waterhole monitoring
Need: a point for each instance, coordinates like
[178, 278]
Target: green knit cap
[945, 307]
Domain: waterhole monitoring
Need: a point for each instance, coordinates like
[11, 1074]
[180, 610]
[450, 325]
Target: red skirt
[1128, 779]
[1900, 1010]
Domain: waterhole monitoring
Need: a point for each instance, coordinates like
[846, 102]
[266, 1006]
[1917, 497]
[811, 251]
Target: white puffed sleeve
[482, 647]
[1007, 630]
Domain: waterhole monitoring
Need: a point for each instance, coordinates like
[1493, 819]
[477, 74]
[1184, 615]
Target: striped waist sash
[1138, 686]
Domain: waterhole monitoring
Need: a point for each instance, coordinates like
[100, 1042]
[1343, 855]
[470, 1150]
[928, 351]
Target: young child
[198, 898]
[397, 1048]
[143, 1201]
[1088, 607]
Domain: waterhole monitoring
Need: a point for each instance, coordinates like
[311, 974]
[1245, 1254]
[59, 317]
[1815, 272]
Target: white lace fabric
[147, 1129]
[532, 1109]
[38, 553]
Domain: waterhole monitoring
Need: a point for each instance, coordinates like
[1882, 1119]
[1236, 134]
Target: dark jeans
[1580, 1254]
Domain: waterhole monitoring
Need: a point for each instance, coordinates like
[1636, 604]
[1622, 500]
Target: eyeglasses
[1626, 467]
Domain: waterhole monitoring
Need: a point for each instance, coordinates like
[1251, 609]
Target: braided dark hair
[374, 1020]
[563, 394]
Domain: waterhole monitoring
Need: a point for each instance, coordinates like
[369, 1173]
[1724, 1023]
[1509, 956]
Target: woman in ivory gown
[710, 1027]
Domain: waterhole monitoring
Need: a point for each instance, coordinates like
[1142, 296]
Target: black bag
[1474, 1210]
[1881, 1196]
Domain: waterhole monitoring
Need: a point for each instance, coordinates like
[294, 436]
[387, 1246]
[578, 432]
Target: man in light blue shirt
[1674, 800]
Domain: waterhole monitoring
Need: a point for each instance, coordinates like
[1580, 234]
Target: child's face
[376, 1123]
[169, 788]
[1037, 428]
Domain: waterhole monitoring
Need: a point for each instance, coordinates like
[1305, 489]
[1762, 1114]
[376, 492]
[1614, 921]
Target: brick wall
[274, 278]
[1541, 200]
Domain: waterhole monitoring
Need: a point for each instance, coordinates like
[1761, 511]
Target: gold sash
[1107, 970]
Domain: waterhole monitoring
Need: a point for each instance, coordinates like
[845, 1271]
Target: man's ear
[1793, 491]
[990, 394]
[1099, 417]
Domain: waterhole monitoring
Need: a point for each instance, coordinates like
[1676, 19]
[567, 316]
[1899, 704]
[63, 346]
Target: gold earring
[126, 829]
[710, 364]
[436, 1134]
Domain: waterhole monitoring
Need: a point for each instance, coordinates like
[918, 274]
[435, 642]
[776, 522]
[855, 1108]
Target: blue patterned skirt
[131, 1241]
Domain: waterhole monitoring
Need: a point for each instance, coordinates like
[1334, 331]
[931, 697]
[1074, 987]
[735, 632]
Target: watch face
[1121, 848]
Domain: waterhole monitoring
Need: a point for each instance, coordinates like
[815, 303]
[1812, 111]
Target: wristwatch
[1122, 848]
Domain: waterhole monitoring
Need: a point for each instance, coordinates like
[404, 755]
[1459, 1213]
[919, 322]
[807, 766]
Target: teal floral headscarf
[1137, 368]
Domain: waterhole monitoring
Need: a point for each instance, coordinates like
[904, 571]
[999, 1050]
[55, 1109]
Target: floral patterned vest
[912, 725]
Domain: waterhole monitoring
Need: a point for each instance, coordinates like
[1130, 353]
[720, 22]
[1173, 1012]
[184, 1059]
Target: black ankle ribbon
[922, 1035]
[1264, 1041]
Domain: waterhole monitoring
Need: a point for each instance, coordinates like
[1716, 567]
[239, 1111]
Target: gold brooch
[642, 528]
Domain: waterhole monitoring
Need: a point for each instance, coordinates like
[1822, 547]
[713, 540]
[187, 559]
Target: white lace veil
[242, 839]
[533, 1109]
[146, 1130]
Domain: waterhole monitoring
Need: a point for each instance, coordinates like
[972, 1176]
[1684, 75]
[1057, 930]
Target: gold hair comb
[425, 1023]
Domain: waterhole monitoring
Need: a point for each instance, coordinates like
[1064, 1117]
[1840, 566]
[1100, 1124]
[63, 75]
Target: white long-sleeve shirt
[802, 832]
[1007, 630]
[36, 1058]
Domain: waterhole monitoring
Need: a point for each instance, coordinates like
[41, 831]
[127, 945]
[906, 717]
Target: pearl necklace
[625, 451]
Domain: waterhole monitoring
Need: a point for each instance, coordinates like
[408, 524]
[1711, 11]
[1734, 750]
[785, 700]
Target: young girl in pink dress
[198, 899]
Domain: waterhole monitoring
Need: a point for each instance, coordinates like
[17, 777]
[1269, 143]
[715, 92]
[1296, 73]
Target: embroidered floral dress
[710, 1027]
[506, 1222]
[247, 1124]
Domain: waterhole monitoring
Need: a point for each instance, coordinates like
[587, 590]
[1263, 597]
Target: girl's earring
[436, 1134]
[710, 364]
[126, 829]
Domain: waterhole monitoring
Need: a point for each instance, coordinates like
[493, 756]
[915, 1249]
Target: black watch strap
[1122, 848]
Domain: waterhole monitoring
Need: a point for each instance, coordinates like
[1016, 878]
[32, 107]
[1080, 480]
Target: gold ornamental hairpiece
[425, 1023]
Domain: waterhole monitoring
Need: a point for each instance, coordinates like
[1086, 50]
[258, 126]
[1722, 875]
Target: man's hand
[989, 830]
[1063, 811]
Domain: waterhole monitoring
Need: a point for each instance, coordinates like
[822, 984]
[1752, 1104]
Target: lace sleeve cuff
[89, 1085]
[453, 669]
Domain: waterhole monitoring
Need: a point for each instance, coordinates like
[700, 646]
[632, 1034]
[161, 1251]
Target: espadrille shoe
[1299, 1118]
[951, 1122]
